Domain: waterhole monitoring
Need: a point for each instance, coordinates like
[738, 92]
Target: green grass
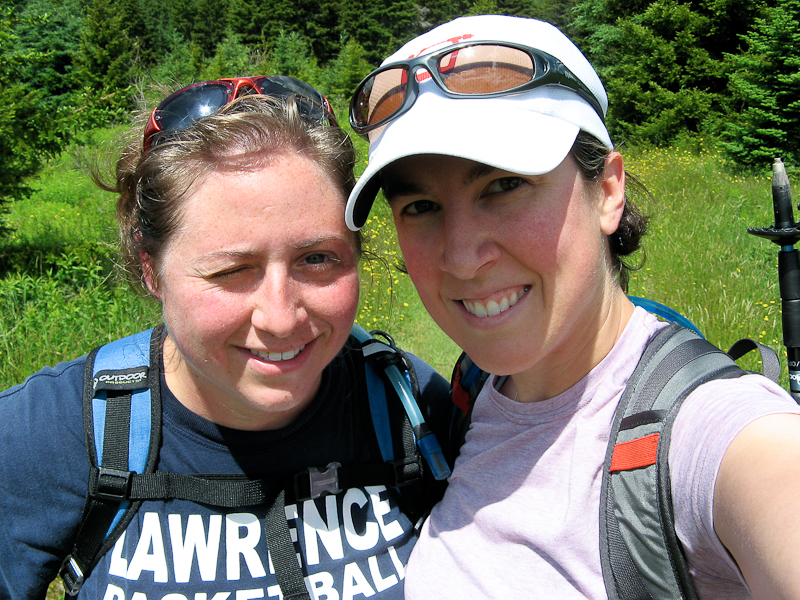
[700, 259]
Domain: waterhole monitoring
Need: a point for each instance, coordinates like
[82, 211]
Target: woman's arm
[757, 505]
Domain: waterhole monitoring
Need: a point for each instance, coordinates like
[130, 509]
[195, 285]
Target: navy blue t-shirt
[353, 544]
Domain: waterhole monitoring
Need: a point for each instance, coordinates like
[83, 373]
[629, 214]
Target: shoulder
[63, 380]
[725, 407]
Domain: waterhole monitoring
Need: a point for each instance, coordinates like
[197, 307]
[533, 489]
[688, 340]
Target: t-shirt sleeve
[711, 417]
[43, 475]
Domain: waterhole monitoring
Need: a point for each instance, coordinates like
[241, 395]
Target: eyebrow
[245, 254]
[225, 254]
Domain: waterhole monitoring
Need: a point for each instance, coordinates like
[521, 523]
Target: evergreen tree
[52, 29]
[30, 132]
[204, 23]
[380, 27]
[292, 56]
[345, 72]
[662, 62]
[107, 51]
[232, 59]
[766, 82]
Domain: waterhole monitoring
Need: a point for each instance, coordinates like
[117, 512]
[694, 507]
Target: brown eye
[505, 184]
[419, 207]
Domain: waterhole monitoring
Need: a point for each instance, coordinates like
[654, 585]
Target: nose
[467, 245]
[277, 305]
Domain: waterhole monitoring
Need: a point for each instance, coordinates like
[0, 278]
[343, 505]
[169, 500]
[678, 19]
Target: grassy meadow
[60, 293]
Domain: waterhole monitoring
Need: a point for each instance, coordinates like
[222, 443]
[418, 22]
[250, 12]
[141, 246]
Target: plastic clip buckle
[324, 482]
[112, 484]
[72, 576]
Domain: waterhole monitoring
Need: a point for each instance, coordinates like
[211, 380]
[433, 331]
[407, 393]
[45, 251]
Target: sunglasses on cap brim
[465, 70]
[180, 109]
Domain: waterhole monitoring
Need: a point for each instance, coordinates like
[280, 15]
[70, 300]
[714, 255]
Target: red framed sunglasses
[180, 109]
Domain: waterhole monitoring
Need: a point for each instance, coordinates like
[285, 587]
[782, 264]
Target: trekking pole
[785, 234]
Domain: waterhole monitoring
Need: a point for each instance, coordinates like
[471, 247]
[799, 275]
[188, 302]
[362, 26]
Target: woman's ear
[149, 274]
[613, 187]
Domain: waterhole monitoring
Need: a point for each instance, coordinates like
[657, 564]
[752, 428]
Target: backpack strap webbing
[641, 556]
[122, 425]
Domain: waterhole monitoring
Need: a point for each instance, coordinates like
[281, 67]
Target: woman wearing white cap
[487, 136]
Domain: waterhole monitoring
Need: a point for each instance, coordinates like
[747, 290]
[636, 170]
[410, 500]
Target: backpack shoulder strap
[640, 553]
[122, 424]
[386, 359]
[466, 383]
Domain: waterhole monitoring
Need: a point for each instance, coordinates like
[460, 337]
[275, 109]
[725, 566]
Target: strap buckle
[112, 484]
[72, 576]
[319, 482]
[406, 470]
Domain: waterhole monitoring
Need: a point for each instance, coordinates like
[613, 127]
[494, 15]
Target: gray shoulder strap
[641, 556]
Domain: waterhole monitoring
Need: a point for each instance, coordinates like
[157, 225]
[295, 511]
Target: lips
[278, 356]
[492, 308]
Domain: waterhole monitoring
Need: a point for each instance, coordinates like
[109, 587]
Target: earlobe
[613, 193]
[149, 275]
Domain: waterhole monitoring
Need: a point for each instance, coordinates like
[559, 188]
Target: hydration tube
[666, 312]
[426, 440]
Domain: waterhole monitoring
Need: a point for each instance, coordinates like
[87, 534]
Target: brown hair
[590, 154]
[243, 135]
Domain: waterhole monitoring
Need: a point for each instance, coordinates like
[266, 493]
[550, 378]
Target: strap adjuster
[112, 484]
[71, 575]
[319, 482]
[406, 470]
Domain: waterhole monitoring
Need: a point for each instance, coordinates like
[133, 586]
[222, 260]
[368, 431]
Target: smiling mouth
[278, 356]
[493, 308]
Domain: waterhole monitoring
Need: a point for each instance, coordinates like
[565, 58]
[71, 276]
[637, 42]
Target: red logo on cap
[423, 74]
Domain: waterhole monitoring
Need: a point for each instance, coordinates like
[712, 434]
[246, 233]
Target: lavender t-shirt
[520, 518]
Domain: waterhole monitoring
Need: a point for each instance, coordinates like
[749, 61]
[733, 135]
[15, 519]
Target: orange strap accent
[641, 452]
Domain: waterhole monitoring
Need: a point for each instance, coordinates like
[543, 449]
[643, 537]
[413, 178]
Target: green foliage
[292, 56]
[231, 59]
[52, 30]
[381, 27]
[662, 62]
[346, 71]
[29, 128]
[765, 81]
[108, 50]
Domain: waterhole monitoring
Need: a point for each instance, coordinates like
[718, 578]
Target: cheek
[418, 255]
[202, 315]
[337, 301]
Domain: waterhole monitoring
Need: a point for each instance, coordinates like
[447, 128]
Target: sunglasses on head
[180, 109]
[464, 70]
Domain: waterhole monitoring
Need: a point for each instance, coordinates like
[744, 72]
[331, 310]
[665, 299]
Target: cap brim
[512, 136]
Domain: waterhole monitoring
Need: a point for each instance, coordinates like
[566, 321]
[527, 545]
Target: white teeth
[278, 356]
[493, 308]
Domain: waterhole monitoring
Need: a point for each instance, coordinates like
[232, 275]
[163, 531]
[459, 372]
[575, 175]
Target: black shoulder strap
[641, 556]
[121, 401]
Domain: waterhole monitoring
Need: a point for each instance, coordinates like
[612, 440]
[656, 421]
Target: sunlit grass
[700, 259]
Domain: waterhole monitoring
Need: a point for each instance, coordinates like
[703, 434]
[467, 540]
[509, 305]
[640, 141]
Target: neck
[569, 364]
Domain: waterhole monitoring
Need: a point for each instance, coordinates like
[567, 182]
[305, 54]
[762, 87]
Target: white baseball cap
[529, 133]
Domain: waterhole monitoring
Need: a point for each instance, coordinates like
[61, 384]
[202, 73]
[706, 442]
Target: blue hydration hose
[666, 312]
[425, 438]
